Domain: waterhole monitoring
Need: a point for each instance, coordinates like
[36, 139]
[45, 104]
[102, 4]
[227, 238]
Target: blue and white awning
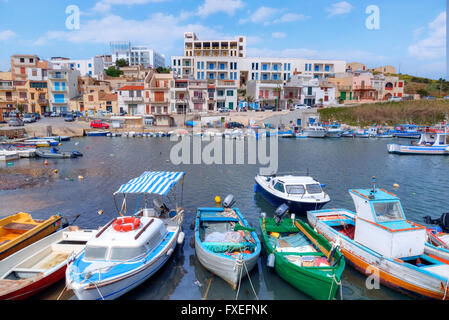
[157, 182]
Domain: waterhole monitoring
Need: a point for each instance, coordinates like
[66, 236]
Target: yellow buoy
[80, 177]
[100, 212]
[55, 171]
[275, 234]
[217, 199]
[395, 185]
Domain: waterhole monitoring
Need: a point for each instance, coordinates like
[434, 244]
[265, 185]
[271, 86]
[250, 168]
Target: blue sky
[411, 35]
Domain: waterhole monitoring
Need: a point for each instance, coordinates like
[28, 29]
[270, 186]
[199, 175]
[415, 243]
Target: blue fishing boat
[97, 133]
[225, 243]
[409, 131]
[377, 240]
[130, 248]
[432, 142]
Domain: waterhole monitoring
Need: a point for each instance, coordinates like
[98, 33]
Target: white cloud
[290, 17]
[339, 8]
[214, 6]
[433, 46]
[278, 35]
[262, 15]
[105, 5]
[152, 31]
[6, 34]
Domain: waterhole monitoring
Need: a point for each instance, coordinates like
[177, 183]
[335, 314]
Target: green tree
[163, 70]
[113, 72]
[122, 63]
[422, 92]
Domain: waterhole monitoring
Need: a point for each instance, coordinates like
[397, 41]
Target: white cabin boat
[300, 193]
[432, 142]
[315, 131]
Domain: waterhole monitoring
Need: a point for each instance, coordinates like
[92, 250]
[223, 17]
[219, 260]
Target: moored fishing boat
[409, 131]
[54, 153]
[315, 131]
[42, 142]
[300, 193]
[40, 264]
[97, 133]
[129, 249]
[432, 142]
[20, 230]
[300, 256]
[378, 240]
[8, 155]
[225, 244]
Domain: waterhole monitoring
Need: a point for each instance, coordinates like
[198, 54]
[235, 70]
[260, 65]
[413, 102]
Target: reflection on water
[109, 162]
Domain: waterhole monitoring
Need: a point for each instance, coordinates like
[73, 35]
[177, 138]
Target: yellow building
[94, 99]
[8, 95]
[38, 97]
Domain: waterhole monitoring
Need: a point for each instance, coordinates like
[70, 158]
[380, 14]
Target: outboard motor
[443, 221]
[280, 212]
[160, 207]
[229, 201]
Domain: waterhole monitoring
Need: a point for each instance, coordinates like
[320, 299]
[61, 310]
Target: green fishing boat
[300, 256]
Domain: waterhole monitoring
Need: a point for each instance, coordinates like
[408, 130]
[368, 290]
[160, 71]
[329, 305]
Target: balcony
[59, 101]
[362, 88]
[42, 101]
[63, 89]
[56, 76]
[6, 87]
[133, 99]
[164, 101]
[198, 100]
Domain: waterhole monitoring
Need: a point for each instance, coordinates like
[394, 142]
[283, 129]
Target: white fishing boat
[41, 264]
[378, 240]
[334, 131]
[315, 131]
[432, 142]
[300, 193]
[129, 249]
[225, 244]
[6, 155]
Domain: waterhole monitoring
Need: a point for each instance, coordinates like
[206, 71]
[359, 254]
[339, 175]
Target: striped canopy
[157, 182]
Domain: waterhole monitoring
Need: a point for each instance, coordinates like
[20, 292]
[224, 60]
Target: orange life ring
[125, 224]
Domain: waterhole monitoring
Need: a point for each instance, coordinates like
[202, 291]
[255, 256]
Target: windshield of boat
[296, 189]
[388, 211]
[95, 253]
[314, 188]
[126, 253]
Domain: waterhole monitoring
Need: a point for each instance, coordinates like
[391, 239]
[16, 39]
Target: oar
[323, 250]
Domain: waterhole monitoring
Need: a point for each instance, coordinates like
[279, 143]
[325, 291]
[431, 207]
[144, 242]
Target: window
[279, 187]
[222, 66]
[264, 67]
[90, 65]
[296, 189]
[222, 76]
[22, 60]
[198, 65]
[34, 72]
[314, 188]
[387, 211]
[230, 93]
[275, 67]
[231, 105]
[95, 253]
[123, 254]
[220, 93]
[211, 66]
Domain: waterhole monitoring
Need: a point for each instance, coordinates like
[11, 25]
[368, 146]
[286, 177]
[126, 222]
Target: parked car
[221, 110]
[28, 118]
[47, 114]
[13, 114]
[233, 125]
[36, 115]
[395, 99]
[301, 107]
[99, 124]
[429, 98]
[15, 122]
[69, 117]
[54, 114]
[269, 108]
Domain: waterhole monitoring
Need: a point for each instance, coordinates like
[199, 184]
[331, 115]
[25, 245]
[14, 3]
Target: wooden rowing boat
[20, 230]
[41, 264]
[223, 249]
[301, 257]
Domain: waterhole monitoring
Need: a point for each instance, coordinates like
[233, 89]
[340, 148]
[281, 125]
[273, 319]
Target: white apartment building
[93, 67]
[36, 74]
[136, 55]
[213, 59]
[62, 86]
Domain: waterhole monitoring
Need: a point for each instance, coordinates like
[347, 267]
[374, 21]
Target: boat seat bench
[19, 226]
[227, 246]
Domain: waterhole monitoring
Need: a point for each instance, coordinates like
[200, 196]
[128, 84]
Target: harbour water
[109, 162]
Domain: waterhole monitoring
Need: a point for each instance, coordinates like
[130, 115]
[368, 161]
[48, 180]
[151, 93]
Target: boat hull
[401, 149]
[116, 287]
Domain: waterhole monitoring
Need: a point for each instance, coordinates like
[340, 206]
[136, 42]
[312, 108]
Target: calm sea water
[339, 163]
